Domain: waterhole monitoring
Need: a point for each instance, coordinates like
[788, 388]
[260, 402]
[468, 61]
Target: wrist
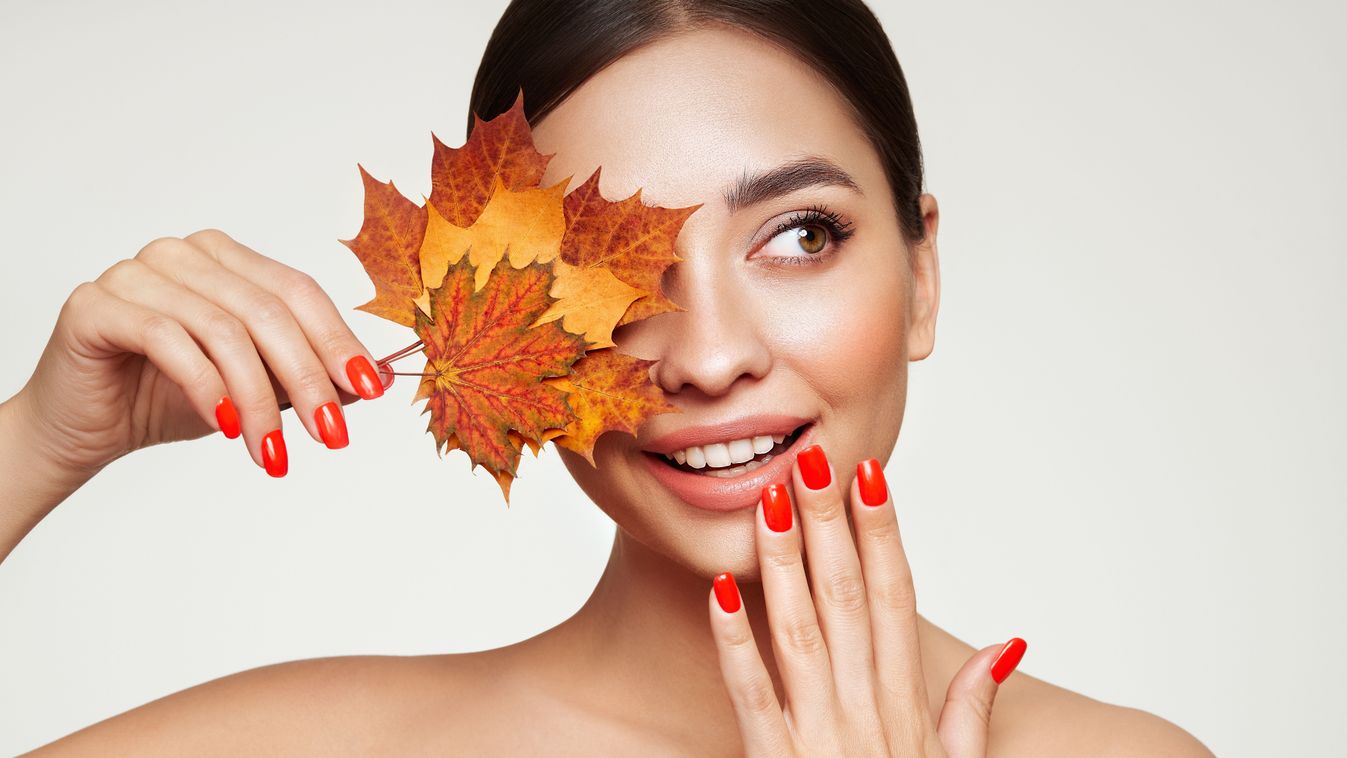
[37, 476]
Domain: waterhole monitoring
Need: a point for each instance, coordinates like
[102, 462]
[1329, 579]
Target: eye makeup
[838, 229]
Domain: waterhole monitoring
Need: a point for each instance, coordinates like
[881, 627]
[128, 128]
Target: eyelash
[839, 231]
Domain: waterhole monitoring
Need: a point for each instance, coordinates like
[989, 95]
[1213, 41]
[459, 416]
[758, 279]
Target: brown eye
[812, 237]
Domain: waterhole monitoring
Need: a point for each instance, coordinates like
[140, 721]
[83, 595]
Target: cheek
[846, 340]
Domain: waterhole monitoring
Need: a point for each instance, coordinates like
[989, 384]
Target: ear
[924, 293]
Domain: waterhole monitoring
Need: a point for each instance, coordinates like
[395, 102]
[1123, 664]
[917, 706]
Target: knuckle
[845, 593]
[120, 271]
[222, 326]
[882, 532]
[270, 309]
[80, 297]
[756, 695]
[784, 560]
[208, 236]
[738, 638]
[302, 285]
[311, 382]
[896, 597]
[826, 511]
[161, 249]
[157, 327]
[803, 638]
[259, 405]
[204, 374]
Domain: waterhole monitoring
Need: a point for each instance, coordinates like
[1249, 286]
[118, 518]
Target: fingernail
[776, 507]
[228, 417]
[364, 378]
[273, 453]
[331, 425]
[814, 467]
[870, 481]
[727, 592]
[385, 375]
[1008, 659]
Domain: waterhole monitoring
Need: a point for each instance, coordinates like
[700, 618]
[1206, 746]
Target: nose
[716, 341]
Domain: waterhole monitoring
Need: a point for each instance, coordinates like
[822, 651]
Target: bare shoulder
[1036, 718]
[344, 705]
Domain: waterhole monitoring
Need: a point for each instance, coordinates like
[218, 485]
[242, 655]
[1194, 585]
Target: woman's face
[792, 327]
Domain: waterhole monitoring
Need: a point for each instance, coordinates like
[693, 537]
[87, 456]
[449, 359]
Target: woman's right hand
[191, 336]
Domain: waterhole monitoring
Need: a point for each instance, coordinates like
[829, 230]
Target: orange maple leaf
[609, 391]
[462, 179]
[515, 291]
[485, 365]
[633, 240]
[389, 245]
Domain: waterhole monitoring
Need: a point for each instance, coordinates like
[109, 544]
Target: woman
[760, 608]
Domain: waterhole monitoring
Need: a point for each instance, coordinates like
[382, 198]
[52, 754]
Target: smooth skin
[640, 669]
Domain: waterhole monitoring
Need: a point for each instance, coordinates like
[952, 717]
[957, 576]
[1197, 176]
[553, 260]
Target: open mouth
[728, 459]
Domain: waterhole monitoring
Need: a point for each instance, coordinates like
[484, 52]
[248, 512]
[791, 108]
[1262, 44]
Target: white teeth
[729, 473]
[720, 455]
[741, 450]
[696, 458]
[717, 454]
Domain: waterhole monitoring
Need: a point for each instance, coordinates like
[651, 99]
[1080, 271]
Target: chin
[703, 542]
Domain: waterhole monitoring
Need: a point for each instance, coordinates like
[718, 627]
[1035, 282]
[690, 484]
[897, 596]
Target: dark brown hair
[550, 47]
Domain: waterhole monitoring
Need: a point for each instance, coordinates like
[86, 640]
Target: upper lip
[724, 431]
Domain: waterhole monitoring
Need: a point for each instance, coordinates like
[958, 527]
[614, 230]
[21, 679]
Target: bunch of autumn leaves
[514, 291]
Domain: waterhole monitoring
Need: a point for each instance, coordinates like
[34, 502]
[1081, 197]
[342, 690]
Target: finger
[797, 638]
[272, 326]
[888, 583]
[345, 357]
[223, 337]
[836, 578]
[966, 716]
[123, 326]
[761, 721]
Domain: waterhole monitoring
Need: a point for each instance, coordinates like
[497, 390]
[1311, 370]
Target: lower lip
[715, 493]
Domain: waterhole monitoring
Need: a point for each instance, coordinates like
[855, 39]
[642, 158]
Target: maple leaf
[609, 391]
[388, 245]
[633, 240]
[485, 363]
[527, 224]
[590, 301]
[462, 179]
[515, 290]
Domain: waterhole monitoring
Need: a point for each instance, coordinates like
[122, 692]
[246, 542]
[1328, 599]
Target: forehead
[684, 116]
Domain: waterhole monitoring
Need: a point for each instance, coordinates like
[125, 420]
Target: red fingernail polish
[385, 375]
[364, 378]
[814, 467]
[1008, 658]
[331, 425]
[776, 507]
[870, 481]
[273, 453]
[727, 592]
[228, 417]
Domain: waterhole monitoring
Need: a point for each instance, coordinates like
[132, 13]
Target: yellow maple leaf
[589, 302]
[527, 225]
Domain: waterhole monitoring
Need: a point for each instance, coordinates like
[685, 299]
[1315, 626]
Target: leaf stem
[415, 347]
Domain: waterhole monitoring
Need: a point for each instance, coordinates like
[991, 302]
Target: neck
[644, 638]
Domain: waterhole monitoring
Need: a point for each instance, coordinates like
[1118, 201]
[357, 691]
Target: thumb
[966, 715]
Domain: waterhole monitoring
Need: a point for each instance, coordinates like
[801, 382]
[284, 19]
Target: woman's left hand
[849, 656]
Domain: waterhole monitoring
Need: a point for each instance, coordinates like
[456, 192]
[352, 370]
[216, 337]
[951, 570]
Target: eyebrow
[809, 171]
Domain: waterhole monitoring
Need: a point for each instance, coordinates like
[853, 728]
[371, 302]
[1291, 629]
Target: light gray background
[1128, 447]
